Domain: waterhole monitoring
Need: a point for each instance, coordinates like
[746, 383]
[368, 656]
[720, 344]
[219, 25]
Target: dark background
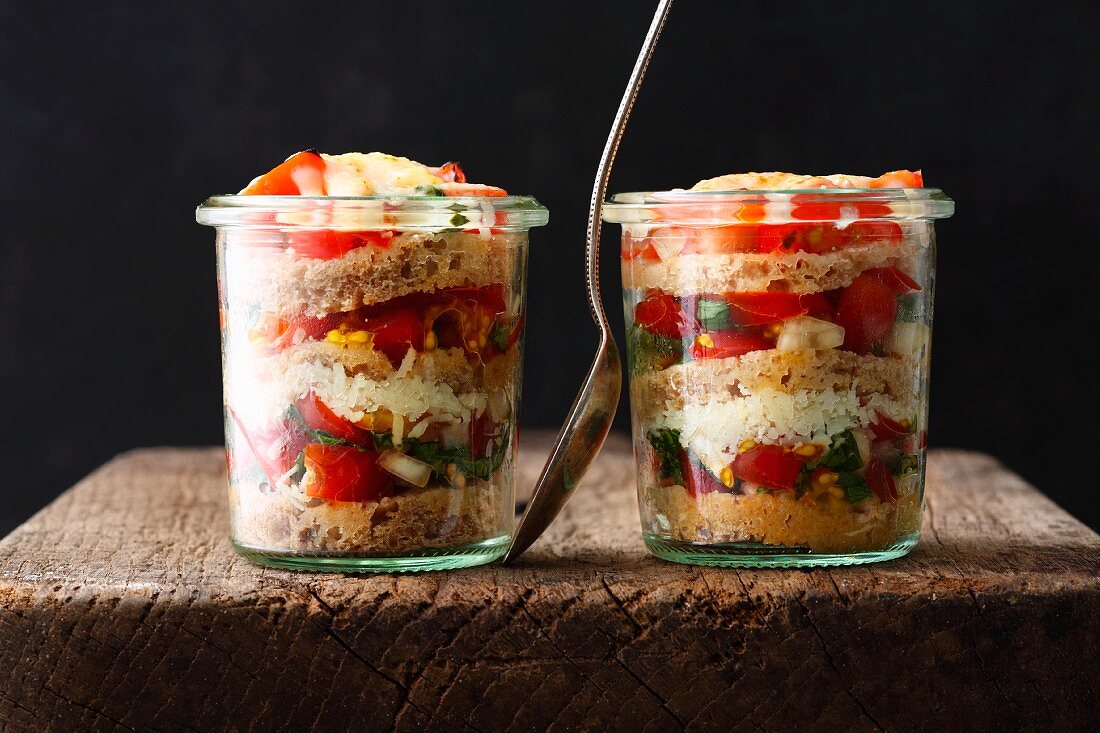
[116, 119]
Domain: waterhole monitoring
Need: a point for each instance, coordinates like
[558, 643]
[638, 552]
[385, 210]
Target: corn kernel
[471, 345]
[336, 337]
[727, 477]
[904, 422]
[827, 478]
[704, 340]
[806, 449]
[430, 341]
[482, 341]
[359, 337]
[746, 445]
[460, 480]
[836, 492]
[450, 470]
[485, 321]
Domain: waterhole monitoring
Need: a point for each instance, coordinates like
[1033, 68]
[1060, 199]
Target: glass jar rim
[681, 206]
[414, 213]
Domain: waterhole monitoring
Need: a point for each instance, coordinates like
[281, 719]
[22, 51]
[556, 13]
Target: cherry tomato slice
[866, 310]
[898, 179]
[758, 309]
[660, 313]
[724, 344]
[328, 244]
[885, 428]
[769, 465]
[457, 188]
[396, 332]
[344, 473]
[450, 172]
[881, 481]
[319, 416]
[302, 174]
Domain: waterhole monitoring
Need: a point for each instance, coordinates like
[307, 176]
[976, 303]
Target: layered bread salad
[371, 358]
[778, 344]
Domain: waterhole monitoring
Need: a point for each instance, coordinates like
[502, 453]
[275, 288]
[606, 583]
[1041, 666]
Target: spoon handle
[590, 417]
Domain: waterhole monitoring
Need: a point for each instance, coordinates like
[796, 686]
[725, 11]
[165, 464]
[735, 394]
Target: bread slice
[280, 281]
[798, 272]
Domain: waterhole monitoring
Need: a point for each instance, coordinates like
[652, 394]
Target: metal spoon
[585, 429]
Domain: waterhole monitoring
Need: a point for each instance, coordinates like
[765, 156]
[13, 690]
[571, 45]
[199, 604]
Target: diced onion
[809, 333]
[499, 408]
[908, 339]
[405, 467]
[863, 443]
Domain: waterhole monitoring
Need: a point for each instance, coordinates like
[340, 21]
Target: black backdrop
[116, 119]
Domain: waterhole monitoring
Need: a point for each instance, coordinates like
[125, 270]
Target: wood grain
[122, 607]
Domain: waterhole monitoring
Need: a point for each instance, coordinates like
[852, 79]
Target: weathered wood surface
[122, 607]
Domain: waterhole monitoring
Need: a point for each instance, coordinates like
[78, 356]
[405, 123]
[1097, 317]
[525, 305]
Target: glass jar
[778, 349]
[371, 356]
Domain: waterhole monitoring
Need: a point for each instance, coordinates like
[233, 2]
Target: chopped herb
[648, 351]
[500, 335]
[428, 190]
[854, 487]
[903, 464]
[317, 436]
[909, 308]
[457, 207]
[842, 455]
[299, 468]
[438, 457]
[713, 315]
[458, 220]
[666, 444]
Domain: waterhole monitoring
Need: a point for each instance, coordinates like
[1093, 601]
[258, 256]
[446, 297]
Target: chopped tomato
[769, 465]
[276, 448]
[396, 332]
[898, 179]
[758, 309]
[344, 473]
[868, 307]
[319, 416]
[450, 172]
[875, 232]
[469, 189]
[724, 344]
[302, 174]
[795, 237]
[328, 244]
[885, 428]
[660, 313]
[638, 249]
[697, 479]
[881, 481]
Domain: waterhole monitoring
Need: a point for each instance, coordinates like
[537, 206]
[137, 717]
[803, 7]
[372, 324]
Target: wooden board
[122, 607]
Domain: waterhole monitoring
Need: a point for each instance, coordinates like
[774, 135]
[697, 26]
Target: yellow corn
[471, 345]
[460, 480]
[704, 340]
[836, 492]
[335, 336]
[828, 478]
[727, 477]
[482, 341]
[485, 321]
[359, 337]
[430, 341]
[746, 445]
[806, 449]
[904, 422]
[450, 470]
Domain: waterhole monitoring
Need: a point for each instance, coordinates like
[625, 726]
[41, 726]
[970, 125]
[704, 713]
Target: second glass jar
[778, 347]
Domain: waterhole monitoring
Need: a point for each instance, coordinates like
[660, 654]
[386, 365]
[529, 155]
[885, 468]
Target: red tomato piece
[795, 237]
[450, 172]
[724, 344]
[769, 465]
[874, 232]
[731, 239]
[660, 313]
[302, 174]
[881, 481]
[898, 179]
[344, 473]
[697, 479]
[868, 307]
[319, 416]
[328, 244]
[758, 309]
[396, 332]
[886, 429]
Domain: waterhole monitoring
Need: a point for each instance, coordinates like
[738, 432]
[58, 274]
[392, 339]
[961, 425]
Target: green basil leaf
[713, 315]
[666, 444]
[855, 488]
